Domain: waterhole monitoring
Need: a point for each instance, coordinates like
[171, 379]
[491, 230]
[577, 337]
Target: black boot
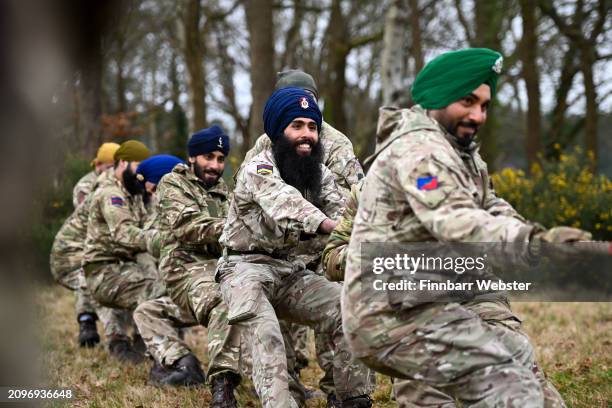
[88, 332]
[138, 343]
[157, 373]
[185, 371]
[333, 402]
[223, 390]
[122, 350]
[362, 401]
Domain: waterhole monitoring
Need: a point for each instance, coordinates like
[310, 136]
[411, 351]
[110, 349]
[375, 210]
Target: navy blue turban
[208, 140]
[155, 167]
[285, 105]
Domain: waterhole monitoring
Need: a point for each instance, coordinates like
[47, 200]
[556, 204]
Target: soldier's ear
[191, 160]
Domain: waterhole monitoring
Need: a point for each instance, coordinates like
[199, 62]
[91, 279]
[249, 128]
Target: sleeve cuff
[312, 222]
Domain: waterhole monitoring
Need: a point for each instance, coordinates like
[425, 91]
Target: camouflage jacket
[422, 186]
[115, 224]
[69, 242]
[338, 156]
[267, 214]
[83, 188]
[334, 254]
[191, 218]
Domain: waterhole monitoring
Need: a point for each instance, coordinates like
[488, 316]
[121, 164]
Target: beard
[209, 177]
[302, 172]
[131, 183]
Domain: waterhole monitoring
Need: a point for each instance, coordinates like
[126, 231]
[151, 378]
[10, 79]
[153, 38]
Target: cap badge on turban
[220, 145]
[497, 67]
[304, 103]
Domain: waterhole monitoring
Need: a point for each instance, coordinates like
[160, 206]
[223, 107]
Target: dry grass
[572, 339]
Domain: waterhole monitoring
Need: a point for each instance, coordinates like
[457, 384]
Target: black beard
[199, 172]
[302, 172]
[464, 141]
[131, 183]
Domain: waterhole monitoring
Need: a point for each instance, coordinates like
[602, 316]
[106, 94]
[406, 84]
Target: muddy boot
[88, 332]
[122, 350]
[362, 401]
[223, 390]
[185, 371]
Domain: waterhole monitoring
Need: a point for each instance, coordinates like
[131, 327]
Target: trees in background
[174, 67]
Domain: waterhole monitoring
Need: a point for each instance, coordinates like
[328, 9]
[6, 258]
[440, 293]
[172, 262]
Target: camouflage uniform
[496, 312]
[65, 263]
[260, 280]
[115, 237]
[83, 188]
[451, 347]
[338, 156]
[191, 218]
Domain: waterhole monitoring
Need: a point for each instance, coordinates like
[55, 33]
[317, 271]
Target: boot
[88, 332]
[185, 371]
[138, 343]
[122, 350]
[333, 402]
[223, 390]
[361, 401]
[158, 373]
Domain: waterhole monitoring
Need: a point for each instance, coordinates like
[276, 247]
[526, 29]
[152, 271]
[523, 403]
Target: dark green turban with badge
[453, 75]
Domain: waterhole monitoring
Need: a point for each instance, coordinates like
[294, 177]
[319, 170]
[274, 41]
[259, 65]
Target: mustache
[468, 125]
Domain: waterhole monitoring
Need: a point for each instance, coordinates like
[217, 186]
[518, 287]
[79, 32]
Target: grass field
[573, 342]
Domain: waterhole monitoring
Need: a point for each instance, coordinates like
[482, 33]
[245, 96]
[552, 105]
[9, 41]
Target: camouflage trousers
[453, 350]
[158, 321]
[409, 393]
[113, 321]
[260, 290]
[123, 285]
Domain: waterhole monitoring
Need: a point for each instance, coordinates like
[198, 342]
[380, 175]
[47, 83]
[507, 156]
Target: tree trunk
[335, 80]
[529, 56]
[393, 57]
[261, 35]
[91, 102]
[590, 92]
[416, 42]
[489, 15]
[194, 53]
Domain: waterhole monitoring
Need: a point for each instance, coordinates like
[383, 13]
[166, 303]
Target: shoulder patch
[427, 183]
[117, 201]
[264, 169]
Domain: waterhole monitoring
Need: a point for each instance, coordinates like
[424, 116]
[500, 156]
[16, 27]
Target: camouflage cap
[298, 79]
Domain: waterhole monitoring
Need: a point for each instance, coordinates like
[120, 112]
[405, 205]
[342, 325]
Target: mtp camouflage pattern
[448, 346]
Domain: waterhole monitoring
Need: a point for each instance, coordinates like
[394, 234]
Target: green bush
[563, 192]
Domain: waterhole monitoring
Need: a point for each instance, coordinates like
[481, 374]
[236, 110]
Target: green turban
[132, 150]
[453, 75]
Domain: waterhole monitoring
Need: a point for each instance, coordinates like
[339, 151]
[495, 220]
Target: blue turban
[285, 105]
[155, 167]
[208, 140]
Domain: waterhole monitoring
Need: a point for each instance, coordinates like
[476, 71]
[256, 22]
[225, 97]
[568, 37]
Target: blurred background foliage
[161, 69]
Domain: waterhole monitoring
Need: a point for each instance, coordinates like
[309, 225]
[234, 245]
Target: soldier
[65, 264]
[339, 158]
[493, 311]
[115, 237]
[193, 203]
[102, 162]
[428, 183]
[282, 195]
[338, 154]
